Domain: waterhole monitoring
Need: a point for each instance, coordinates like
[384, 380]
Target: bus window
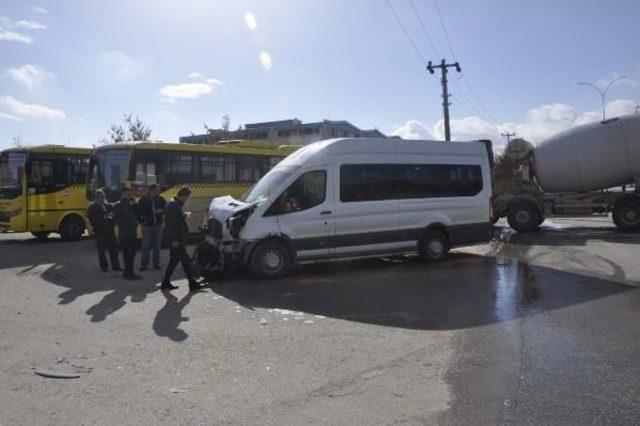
[146, 173]
[212, 168]
[40, 178]
[11, 168]
[229, 169]
[250, 169]
[178, 168]
[78, 169]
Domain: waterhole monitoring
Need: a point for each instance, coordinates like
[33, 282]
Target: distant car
[353, 198]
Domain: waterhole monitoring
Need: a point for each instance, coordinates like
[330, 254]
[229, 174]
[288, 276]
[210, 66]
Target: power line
[424, 28]
[483, 107]
[406, 33]
[444, 30]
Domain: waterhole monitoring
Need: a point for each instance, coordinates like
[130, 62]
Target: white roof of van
[382, 145]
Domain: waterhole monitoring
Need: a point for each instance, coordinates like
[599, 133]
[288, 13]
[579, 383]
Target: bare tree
[17, 141]
[226, 122]
[131, 129]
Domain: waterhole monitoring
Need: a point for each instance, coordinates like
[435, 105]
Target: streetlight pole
[603, 93]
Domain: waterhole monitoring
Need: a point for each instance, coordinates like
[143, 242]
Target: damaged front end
[222, 248]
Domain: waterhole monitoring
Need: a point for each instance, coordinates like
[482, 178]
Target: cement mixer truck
[586, 170]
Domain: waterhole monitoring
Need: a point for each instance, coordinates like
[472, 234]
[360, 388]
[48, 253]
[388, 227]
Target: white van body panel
[337, 229]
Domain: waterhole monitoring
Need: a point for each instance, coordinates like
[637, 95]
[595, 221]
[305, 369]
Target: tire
[270, 260]
[41, 235]
[524, 217]
[626, 213]
[434, 247]
[71, 228]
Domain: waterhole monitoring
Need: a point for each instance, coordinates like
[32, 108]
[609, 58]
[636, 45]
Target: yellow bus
[227, 168]
[42, 190]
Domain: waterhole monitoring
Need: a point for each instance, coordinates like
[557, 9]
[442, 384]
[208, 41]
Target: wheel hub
[522, 216]
[630, 216]
[271, 260]
[435, 247]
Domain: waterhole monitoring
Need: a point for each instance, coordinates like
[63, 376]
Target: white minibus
[354, 198]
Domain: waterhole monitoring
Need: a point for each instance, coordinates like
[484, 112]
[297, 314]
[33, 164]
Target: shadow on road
[463, 291]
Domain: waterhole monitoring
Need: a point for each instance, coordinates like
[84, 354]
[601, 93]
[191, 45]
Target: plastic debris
[56, 374]
[177, 390]
[263, 321]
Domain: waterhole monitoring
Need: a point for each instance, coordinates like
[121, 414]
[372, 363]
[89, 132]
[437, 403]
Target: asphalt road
[531, 329]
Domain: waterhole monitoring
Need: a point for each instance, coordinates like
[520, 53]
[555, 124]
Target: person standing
[176, 231]
[151, 208]
[126, 218]
[100, 214]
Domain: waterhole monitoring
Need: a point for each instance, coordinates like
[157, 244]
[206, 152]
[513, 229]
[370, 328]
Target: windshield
[109, 169]
[11, 170]
[264, 186]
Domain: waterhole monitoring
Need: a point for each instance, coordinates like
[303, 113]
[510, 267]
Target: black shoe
[116, 268]
[168, 287]
[195, 287]
[132, 277]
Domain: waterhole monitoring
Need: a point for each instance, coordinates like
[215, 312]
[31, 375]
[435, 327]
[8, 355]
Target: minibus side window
[308, 191]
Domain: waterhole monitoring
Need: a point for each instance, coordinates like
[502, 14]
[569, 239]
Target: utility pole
[445, 92]
[508, 135]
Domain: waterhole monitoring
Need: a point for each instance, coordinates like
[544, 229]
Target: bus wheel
[626, 213]
[270, 260]
[524, 217]
[434, 247]
[41, 235]
[71, 228]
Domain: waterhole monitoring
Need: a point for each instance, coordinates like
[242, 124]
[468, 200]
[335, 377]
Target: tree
[17, 141]
[226, 122]
[131, 129]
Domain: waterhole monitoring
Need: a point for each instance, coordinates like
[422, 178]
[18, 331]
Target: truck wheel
[270, 260]
[71, 228]
[434, 247]
[41, 235]
[626, 213]
[524, 217]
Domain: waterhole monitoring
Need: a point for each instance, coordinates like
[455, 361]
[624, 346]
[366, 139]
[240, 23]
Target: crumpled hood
[222, 208]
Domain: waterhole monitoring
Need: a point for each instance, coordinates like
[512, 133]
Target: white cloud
[7, 27]
[540, 123]
[265, 60]
[39, 9]
[413, 129]
[30, 25]
[29, 75]
[121, 64]
[22, 109]
[203, 86]
[250, 20]
[10, 117]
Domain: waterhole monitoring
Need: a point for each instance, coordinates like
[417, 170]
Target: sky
[68, 69]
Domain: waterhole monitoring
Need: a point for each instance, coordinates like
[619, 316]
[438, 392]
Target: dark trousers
[128, 246]
[178, 255]
[107, 243]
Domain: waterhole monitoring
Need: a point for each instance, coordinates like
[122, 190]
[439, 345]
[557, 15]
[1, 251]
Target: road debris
[56, 374]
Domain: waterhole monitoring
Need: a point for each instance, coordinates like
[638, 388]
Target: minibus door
[307, 215]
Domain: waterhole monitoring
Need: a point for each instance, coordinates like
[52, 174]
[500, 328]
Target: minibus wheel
[434, 246]
[270, 259]
[71, 228]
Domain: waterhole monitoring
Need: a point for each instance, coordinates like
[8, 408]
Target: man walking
[100, 215]
[151, 208]
[176, 233]
[126, 218]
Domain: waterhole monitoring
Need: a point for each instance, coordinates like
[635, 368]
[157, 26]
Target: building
[286, 132]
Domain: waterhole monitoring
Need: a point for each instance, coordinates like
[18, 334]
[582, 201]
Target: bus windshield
[262, 189]
[109, 169]
[11, 170]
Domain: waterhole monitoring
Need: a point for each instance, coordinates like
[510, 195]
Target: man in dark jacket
[151, 208]
[126, 217]
[176, 230]
[100, 215]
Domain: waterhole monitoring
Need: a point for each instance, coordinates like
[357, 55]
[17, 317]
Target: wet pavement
[537, 328]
